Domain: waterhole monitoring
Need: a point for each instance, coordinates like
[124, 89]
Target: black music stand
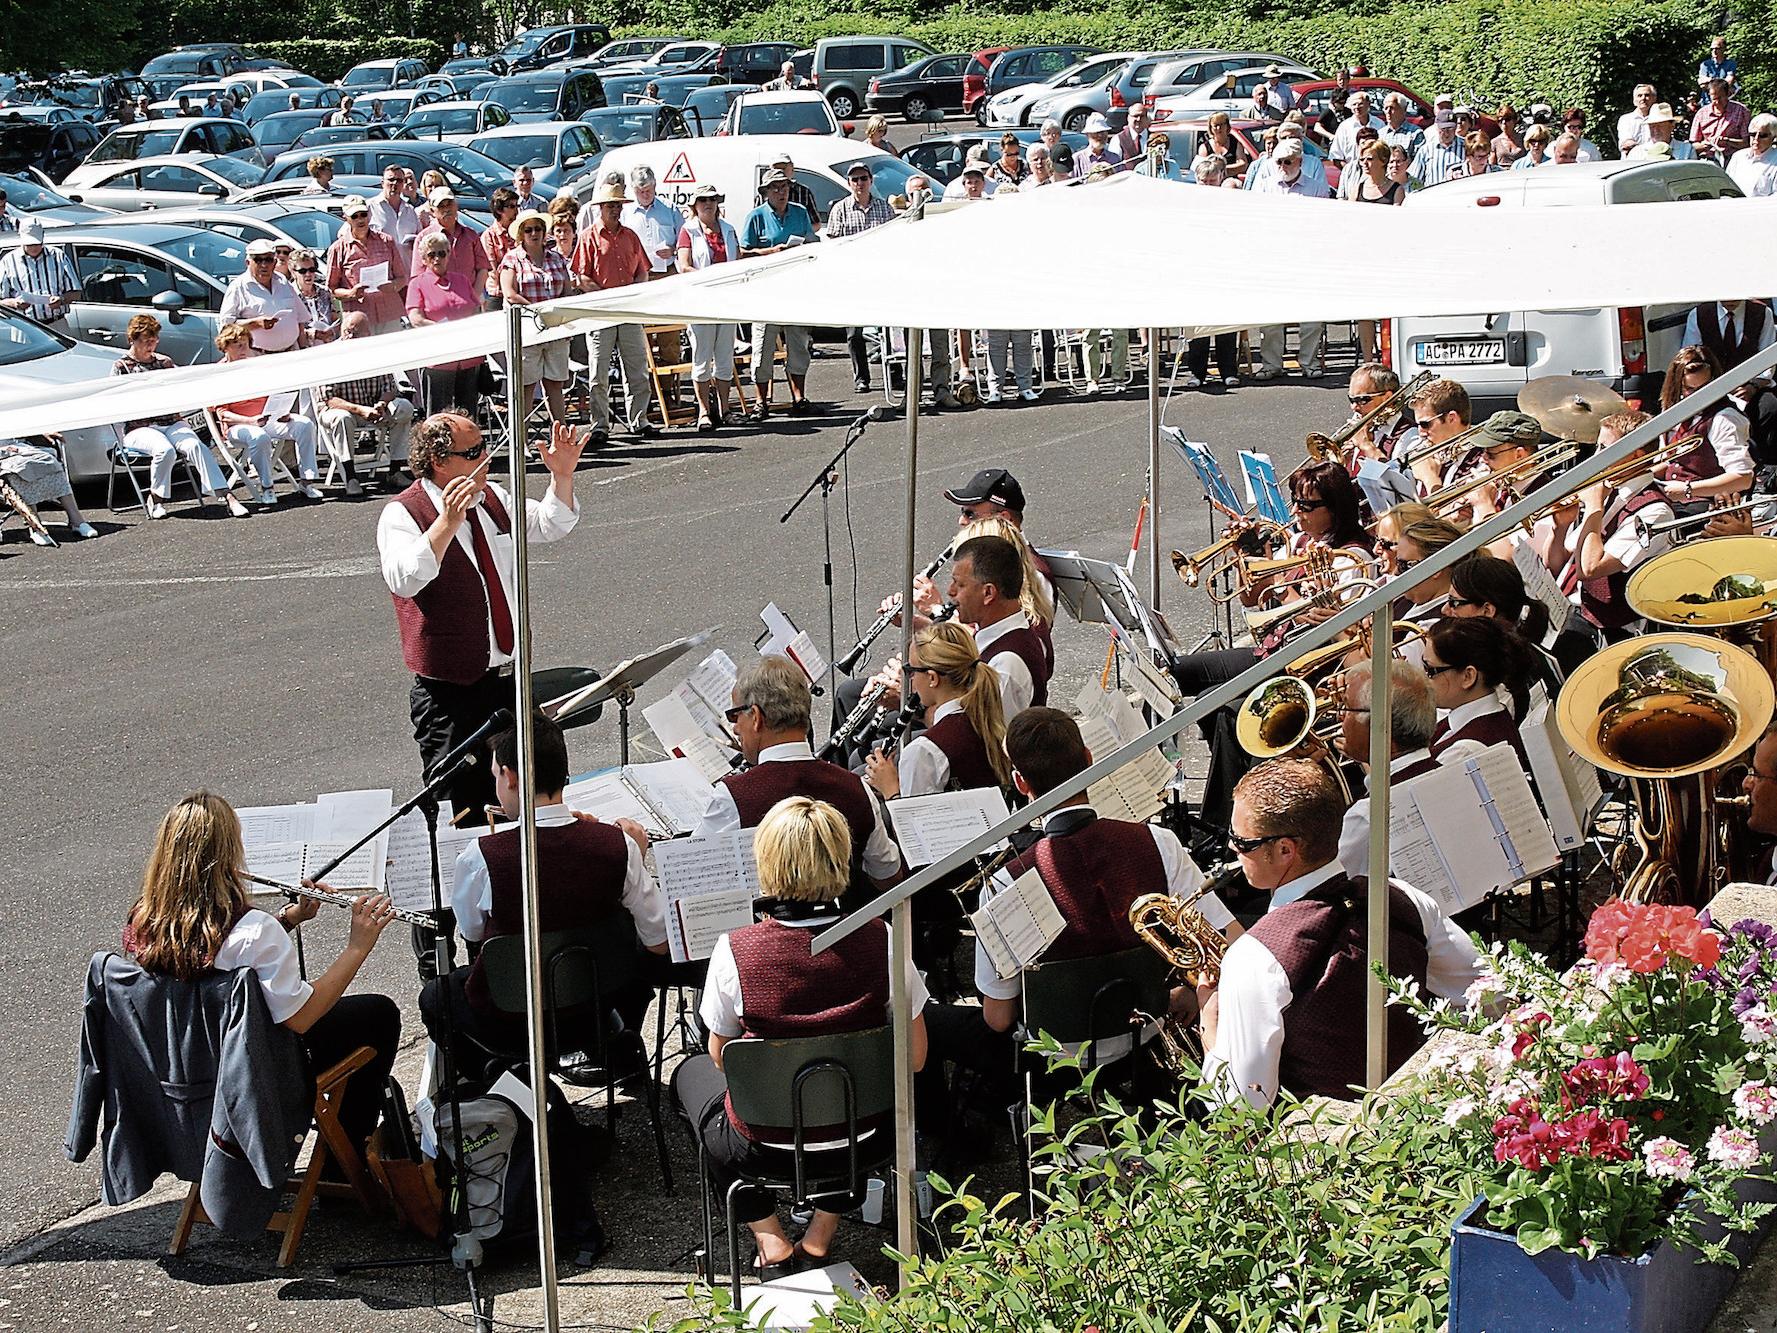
[621, 685]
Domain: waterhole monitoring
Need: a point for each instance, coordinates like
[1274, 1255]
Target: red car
[1315, 96]
[975, 81]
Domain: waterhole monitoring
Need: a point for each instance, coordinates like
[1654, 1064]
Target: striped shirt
[9, 222]
[41, 280]
[1436, 162]
[847, 218]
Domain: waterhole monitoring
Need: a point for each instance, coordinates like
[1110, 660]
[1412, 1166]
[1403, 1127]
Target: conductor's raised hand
[460, 494]
[370, 914]
[562, 454]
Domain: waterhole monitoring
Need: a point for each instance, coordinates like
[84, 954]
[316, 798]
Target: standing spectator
[1718, 64]
[975, 160]
[524, 184]
[1477, 158]
[1722, 126]
[1508, 144]
[497, 240]
[654, 220]
[165, 439]
[9, 220]
[185, 106]
[564, 235]
[1536, 148]
[530, 274]
[435, 295]
[466, 255]
[1632, 125]
[1372, 183]
[374, 402]
[266, 303]
[1261, 107]
[1132, 142]
[786, 80]
[1282, 95]
[295, 104]
[1042, 167]
[1010, 168]
[876, 135]
[1288, 178]
[1661, 124]
[376, 116]
[1353, 171]
[1210, 170]
[38, 281]
[305, 270]
[776, 225]
[706, 239]
[800, 194]
[320, 171]
[430, 182]
[391, 214]
[1313, 172]
[1754, 168]
[341, 114]
[1439, 158]
[1017, 346]
[1221, 143]
[1397, 129]
[1344, 147]
[1573, 121]
[611, 255]
[858, 212]
[1098, 151]
[459, 48]
[249, 427]
[1327, 124]
[360, 247]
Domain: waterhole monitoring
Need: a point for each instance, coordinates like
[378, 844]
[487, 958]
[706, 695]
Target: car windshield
[21, 144]
[478, 168]
[526, 96]
[451, 120]
[173, 63]
[786, 118]
[523, 44]
[26, 193]
[1089, 76]
[368, 76]
[221, 256]
[78, 94]
[22, 341]
[616, 126]
[235, 170]
[888, 177]
[529, 150]
[276, 133]
[129, 147]
[314, 228]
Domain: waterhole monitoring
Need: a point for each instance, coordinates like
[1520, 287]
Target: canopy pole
[527, 816]
[1154, 469]
[1381, 756]
[901, 919]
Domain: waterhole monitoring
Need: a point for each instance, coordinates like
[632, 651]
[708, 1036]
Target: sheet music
[676, 789]
[708, 885]
[700, 922]
[929, 828]
[342, 817]
[276, 823]
[1483, 822]
[1261, 486]
[279, 405]
[1541, 584]
[1209, 472]
[680, 734]
[374, 276]
[607, 796]
[1519, 821]
[1017, 924]
[706, 692]
[1413, 853]
[362, 870]
[281, 861]
[407, 860]
[783, 639]
[1133, 791]
[1155, 685]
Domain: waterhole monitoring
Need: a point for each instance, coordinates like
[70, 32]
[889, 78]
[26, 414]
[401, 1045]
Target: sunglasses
[261, 259]
[310, 269]
[1455, 603]
[532, 230]
[468, 455]
[733, 714]
[1383, 544]
[1247, 846]
[1355, 398]
[1425, 423]
[1306, 506]
[1435, 671]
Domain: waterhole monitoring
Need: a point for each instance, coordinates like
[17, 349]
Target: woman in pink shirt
[437, 296]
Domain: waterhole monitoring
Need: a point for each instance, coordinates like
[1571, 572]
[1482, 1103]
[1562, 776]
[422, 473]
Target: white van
[735, 165]
[1493, 354]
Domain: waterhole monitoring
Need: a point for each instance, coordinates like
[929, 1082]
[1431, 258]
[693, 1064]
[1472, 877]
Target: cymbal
[1568, 407]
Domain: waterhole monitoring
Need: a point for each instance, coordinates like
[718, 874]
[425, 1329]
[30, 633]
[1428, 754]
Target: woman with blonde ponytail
[964, 744]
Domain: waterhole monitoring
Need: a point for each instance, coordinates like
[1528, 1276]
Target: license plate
[1462, 352]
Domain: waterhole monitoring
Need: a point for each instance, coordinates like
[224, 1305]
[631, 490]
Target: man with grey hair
[654, 220]
[1565, 151]
[524, 185]
[1413, 717]
[1344, 147]
[1632, 125]
[1397, 131]
[770, 717]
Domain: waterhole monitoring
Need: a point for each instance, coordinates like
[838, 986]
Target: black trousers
[444, 715]
[983, 1077]
[445, 1001]
[860, 354]
[354, 1021]
[1227, 349]
[442, 390]
[1197, 674]
[698, 1086]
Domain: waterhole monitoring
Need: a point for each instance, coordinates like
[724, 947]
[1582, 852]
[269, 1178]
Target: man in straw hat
[609, 255]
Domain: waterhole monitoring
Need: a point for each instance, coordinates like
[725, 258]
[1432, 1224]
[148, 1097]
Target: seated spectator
[165, 439]
[1009, 168]
[1508, 144]
[876, 135]
[1566, 149]
[372, 403]
[1661, 141]
[1754, 168]
[1477, 154]
[249, 427]
[38, 476]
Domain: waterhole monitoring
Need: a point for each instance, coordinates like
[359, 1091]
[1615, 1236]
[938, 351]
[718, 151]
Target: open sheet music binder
[666, 798]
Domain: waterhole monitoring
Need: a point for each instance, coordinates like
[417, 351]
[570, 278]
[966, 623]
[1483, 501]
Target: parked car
[278, 132]
[177, 274]
[552, 152]
[261, 105]
[1111, 98]
[549, 94]
[1231, 92]
[455, 87]
[33, 356]
[1190, 72]
[736, 165]
[705, 108]
[843, 66]
[538, 48]
[374, 75]
[161, 182]
[470, 66]
[27, 192]
[43, 114]
[392, 108]
[157, 138]
[628, 50]
[975, 79]
[1017, 66]
[782, 113]
[453, 122]
[675, 58]
[473, 176]
[323, 137]
[194, 62]
[1016, 106]
[54, 149]
[934, 84]
[1494, 353]
[247, 84]
[940, 156]
[1190, 135]
[312, 221]
[617, 126]
[673, 89]
[753, 62]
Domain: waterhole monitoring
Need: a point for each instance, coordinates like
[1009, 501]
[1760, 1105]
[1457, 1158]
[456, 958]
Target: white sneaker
[268, 498]
[1230, 381]
[156, 509]
[1189, 381]
[991, 396]
[1029, 395]
[1091, 386]
[310, 490]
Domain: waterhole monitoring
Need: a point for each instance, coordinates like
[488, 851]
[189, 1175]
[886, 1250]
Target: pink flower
[1589, 1134]
[1523, 1136]
[1758, 1026]
[1668, 1158]
[1733, 1148]
[1600, 1080]
[1645, 937]
[1757, 1102]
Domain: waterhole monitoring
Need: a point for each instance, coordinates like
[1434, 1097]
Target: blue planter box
[1497, 1288]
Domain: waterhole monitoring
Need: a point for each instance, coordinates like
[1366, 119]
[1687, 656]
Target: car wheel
[915, 109]
[845, 104]
[1075, 120]
[981, 112]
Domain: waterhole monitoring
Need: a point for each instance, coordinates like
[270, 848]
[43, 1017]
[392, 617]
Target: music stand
[1219, 499]
[621, 684]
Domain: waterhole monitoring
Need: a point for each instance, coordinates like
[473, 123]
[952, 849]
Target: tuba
[1279, 718]
[1668, 711]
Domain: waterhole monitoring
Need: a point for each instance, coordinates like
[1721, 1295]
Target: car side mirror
[212, 191]
[575, 162]
[170, 304]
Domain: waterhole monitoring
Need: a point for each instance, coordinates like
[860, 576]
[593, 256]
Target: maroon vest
[1603, 600]
[1029, 648]
[580, 870]
[965, 752]
[1748, 329]
[1417, 769]
[1094, 873]
[1319, 941]
[786, 991]
[1698, 463]
[763, 785]
[444, 626]
[1488, 729]
[1043, 629]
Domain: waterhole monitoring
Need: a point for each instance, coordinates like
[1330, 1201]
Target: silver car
[1013, 109]
[164, 182]
[1112, 97]
[453, 121]
[553, 151]
[203, 136]
[33, 357]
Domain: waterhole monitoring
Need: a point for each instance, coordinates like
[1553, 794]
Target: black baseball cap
[993, 484]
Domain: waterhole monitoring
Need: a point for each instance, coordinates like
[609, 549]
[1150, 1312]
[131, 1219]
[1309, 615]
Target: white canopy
[1131, 252]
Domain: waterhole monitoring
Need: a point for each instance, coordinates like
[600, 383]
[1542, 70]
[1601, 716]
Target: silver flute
[344, 900]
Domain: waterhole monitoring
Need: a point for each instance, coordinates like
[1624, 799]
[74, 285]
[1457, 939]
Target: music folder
[626, 677]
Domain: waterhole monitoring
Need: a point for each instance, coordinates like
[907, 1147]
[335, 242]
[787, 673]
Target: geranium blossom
[1603, 1079]
[1757, 1102]
[1758, 1025]
[1645, 937]
[1668, 1158]
[1734, 1148]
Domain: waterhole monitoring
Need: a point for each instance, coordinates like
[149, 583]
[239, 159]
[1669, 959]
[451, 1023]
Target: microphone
[501, 719]
[880, 412]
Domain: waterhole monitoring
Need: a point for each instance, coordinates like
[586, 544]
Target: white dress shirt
[259, 941]
[1344, 145]
[1255, 993]
[1693, 335]
[923, 766]
[248, 299]
[882, 858]
[1354, 836]
[472, 897]
[1017, 689]
[1631, 130]
[399, 222]
[1755, 173]
[658, 226]
[409, 564]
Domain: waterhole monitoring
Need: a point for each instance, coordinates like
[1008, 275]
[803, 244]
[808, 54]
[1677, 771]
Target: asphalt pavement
[258, 657]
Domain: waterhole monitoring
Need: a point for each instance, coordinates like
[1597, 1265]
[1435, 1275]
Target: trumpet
[1645, 532]
[1331, 448]
[1455, 442]
[1251, 536]
[345, 900]
[1318, 659]
[849, 663]
[1508, 479]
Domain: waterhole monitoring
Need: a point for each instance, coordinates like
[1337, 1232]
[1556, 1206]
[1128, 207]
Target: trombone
[1331, 448]
[1510, 478]
[1682, 528]
[1432, 450]
[1261, 623]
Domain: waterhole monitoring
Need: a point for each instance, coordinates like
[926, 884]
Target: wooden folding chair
[330, 1143]
[669, 371]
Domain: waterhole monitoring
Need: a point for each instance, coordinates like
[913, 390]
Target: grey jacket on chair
[191, 1077]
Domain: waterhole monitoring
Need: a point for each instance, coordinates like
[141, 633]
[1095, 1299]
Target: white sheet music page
[281, 861]
[1017, 924]
[276, 823]
[604, 795]
[1520, 817]
[681, 735]
[1133, 791]
[706, 888]
[1543, 743]
[1413, 854]
[676, 787]
[1541, 584]
[342, 817]
[929, 828]
[407, 861]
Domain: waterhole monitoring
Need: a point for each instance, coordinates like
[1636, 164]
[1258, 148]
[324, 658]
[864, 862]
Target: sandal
[783, 1268]
[705, 426]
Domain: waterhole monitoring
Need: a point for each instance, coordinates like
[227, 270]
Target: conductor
[445, 544]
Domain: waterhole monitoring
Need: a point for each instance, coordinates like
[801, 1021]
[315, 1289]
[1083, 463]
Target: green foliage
[328, 58]
[79, 34]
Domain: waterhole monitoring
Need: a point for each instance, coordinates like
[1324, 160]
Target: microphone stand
[825, 481]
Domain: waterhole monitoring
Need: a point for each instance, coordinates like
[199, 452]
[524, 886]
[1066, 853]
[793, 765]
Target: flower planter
[1495, 1287]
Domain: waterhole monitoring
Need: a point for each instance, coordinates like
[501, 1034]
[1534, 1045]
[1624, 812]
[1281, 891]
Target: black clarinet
[849, 663]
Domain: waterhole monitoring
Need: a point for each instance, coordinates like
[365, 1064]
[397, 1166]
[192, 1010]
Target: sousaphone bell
[1725, 585]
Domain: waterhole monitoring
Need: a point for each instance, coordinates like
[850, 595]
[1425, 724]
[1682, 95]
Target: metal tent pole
[1154, 468]
[1381, 755]
[527, 817]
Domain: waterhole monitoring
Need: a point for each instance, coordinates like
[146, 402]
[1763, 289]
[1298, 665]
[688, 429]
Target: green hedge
[328, 58]
[1587, 53]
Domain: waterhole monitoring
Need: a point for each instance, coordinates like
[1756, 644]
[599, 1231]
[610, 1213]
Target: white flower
[1479, 991]
[1734, 1148]
[1756, 1102]
[1669, 1158]
[1758, 1026]
[1458, 1111]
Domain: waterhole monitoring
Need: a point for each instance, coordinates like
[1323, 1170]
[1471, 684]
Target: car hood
[79, 363]
[66, 215]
